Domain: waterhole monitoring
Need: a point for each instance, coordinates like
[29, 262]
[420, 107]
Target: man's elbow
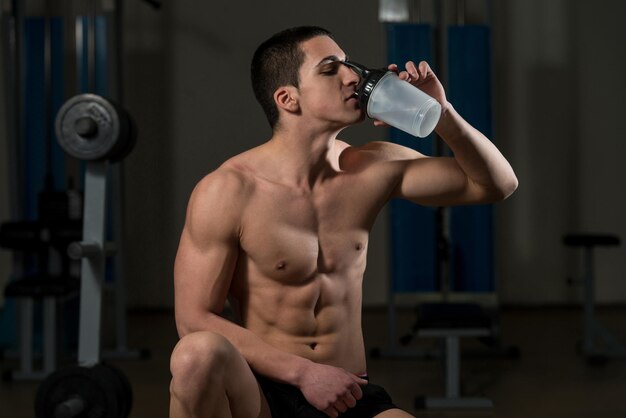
[510, 186]
[190, 323]
[183, 327]
[504, 188]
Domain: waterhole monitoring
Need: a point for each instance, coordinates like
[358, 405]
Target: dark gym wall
[559, 106]
[559, 99]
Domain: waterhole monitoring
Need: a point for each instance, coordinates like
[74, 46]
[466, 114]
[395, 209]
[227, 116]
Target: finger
[349, 401]
[331, 412]
[424, 69]
[359, 380]
[392, 67]
[356, 391]
[412, 70]
[340, 405]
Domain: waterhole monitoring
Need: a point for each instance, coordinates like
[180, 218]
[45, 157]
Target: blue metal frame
[413, 227]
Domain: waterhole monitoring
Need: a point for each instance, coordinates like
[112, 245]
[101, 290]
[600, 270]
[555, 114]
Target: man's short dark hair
[277, 62]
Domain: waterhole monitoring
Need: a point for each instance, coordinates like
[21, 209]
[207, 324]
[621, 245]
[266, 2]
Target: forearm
[476, 155]
[262, 357]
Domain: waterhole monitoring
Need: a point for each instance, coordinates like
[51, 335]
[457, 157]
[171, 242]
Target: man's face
[326, 87]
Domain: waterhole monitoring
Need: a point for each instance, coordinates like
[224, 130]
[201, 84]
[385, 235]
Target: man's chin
[360, 118]
[354, 120]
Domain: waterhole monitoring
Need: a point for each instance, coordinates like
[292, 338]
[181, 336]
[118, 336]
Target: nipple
[281, 265]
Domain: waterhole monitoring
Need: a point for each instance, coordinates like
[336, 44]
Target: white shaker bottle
[385, 97]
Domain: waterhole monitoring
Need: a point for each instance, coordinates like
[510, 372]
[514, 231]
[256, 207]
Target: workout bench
[594, 331]
[451, 322]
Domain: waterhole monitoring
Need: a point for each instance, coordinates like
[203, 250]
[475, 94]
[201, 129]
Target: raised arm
[478, 172]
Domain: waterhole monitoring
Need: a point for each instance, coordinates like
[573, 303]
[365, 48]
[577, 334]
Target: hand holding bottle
[386, 97]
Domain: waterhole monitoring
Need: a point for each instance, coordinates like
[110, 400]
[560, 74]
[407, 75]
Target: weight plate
[128, 133]
[122, 386]
[90, 127]
[98, 394]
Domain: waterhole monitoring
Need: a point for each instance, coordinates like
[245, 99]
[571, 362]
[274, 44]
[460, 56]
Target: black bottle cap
[369, 79]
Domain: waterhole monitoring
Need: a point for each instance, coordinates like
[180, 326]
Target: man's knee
[200, 359]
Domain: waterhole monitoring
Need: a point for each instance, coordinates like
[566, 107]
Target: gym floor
[549, 380]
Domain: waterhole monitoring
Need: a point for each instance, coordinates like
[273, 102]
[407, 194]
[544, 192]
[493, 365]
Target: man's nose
[349, 75]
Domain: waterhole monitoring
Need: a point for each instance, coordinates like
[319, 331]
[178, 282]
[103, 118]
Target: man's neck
[305, 159]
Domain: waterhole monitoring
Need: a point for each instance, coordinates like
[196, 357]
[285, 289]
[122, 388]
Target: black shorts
[286, 401]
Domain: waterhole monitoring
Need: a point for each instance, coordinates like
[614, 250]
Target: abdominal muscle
[319, 319]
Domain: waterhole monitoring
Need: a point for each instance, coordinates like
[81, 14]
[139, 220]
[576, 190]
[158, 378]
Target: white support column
[93, 264]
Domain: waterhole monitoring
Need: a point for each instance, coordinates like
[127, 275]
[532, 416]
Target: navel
[358, 246]
[313, 345]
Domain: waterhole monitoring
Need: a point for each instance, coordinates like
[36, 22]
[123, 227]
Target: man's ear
[286, 97]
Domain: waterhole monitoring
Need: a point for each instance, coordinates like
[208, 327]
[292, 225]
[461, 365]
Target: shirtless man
[282, 231]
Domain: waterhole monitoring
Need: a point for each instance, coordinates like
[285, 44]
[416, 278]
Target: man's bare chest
[290, 236]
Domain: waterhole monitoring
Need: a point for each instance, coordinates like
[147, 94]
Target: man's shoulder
[216, 203]
[228, 181]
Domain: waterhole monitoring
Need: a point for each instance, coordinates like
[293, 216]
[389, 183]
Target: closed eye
[330, 69]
